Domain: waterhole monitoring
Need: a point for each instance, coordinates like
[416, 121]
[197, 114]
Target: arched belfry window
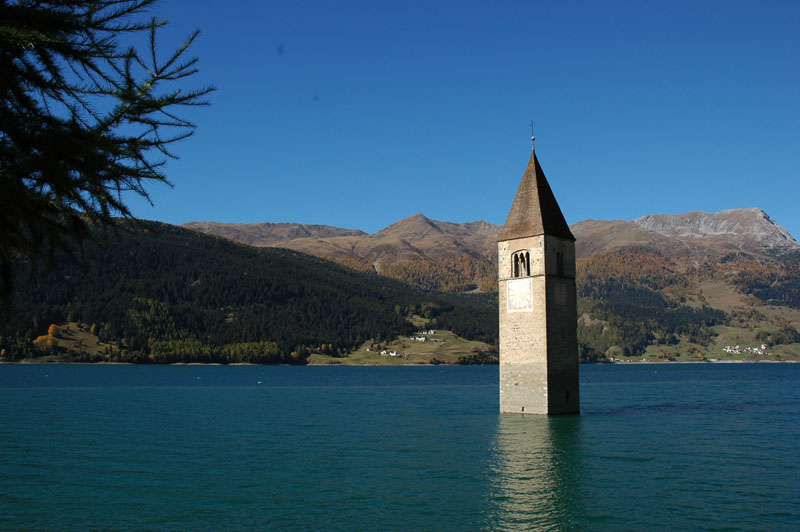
[521, 264]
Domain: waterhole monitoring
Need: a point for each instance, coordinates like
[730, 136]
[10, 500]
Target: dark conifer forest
[156, 293]
[167, 294]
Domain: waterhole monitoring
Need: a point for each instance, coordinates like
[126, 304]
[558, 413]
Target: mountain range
[737, 261]
[414, 238]
[661, 286]
[466, 252]
[694, 235]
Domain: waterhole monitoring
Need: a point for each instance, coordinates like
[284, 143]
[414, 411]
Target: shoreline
[32, 361]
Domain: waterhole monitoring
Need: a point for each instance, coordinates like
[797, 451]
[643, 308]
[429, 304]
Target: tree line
[166, 294]
[153, 283]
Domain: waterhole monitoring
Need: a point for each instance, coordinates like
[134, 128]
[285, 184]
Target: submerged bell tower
[538, 303]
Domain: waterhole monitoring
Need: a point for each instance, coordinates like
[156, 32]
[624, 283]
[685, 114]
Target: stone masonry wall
[538, 338]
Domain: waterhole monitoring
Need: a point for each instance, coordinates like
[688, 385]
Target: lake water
[658, 447]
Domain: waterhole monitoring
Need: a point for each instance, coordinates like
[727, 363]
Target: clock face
[520, 295]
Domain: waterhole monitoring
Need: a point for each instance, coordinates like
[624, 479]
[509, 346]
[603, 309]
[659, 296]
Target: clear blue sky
[358, 114]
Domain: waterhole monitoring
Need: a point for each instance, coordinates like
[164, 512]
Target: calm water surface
[658, 447]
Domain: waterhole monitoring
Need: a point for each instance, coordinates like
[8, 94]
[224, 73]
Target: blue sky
[358, 114]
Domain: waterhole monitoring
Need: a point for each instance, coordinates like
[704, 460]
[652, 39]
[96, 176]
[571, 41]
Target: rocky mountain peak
[747, 227]
[416, 225]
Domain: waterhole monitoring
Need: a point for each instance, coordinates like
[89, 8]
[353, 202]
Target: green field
[685, 351]
[441, 347]
[75, 343]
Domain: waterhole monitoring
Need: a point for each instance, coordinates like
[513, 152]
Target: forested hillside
[629, 299]
[168, 294]
[452, 274]
[636, 298]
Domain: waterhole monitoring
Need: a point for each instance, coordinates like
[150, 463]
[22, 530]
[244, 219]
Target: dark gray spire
[535, 210]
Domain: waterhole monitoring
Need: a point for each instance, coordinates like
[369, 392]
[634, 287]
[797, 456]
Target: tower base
[531, 389]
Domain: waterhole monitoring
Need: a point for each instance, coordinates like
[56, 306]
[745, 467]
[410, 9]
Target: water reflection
[535, 473]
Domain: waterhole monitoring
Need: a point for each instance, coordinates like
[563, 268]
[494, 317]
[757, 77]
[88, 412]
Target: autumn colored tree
[45, 343]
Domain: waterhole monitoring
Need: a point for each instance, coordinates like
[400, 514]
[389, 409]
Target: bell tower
[538, 303]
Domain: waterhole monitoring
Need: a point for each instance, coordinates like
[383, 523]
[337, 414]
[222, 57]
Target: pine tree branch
[71, 101]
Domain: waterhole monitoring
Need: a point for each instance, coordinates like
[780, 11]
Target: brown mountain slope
[597, 236]
[675, 284]
[270, 234]
[450, 256]
[691, 237]
[739, 261]
[415, 239]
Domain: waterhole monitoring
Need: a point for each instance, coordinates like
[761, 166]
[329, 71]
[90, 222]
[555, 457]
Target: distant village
[729, 349]
[418, 336]
[736, 350]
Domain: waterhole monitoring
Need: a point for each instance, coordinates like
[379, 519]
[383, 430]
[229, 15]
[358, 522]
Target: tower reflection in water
[536, 473]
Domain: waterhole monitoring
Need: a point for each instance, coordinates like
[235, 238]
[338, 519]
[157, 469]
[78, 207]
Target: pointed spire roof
[535, 210]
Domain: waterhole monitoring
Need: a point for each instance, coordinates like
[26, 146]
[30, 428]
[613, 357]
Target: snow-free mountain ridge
[751, 227]
[694, 235]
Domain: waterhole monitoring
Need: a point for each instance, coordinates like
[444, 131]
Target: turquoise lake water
[657, 447]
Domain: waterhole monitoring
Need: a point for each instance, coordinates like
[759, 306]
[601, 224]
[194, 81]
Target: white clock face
[520, 295]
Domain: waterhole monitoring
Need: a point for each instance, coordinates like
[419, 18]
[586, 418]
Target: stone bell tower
[538, 321]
